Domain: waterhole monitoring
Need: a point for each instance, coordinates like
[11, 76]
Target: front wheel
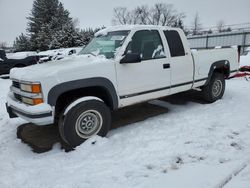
[83, 121]
[215, 89]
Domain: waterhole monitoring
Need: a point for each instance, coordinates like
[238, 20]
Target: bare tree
[159, 14]
[196, 25]
[121, 16]
[165, 14]
[220, 26]
[141, 15]
[3, 45]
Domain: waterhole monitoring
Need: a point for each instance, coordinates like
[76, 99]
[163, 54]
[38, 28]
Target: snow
[128, 27]
[241, 180]
[20, 55]
[201, 176]
[62, 52]
[193, 145]
[56, 54]
[87, 98]
[245, 60]
[57, 67]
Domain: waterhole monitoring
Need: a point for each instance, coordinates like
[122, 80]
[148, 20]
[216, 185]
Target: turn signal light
[36, 88]
[30, 101]
[37, 101]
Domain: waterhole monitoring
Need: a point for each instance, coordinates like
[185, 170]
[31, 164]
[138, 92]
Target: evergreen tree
[22, 43]
[50, 27]
[43, 38]
[228, 29]
[210, 31]
[48, 18]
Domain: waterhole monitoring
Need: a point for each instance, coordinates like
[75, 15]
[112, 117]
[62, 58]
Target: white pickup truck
[120, 67]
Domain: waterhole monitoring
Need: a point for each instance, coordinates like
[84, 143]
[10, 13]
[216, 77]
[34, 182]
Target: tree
[159, 14]
[210, 31]
[22, 43]
[87, 34]
[51, 27]
[229, 29]
[179, 23]
[166, 15]
[47, 20]
[42, 40]
[220, 26]
[196, 25]
[121, 16]
[3, 45]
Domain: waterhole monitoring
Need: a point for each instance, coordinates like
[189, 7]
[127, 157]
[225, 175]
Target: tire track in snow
[232, 175]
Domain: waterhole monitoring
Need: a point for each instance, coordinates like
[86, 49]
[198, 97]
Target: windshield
[106, 45]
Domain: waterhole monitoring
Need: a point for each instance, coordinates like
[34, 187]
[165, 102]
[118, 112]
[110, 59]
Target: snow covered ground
[193, 145]
[245, 60]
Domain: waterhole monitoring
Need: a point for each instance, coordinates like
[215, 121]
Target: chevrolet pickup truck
[120, 67]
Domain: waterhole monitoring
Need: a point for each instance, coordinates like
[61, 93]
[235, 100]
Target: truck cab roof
[133, 27]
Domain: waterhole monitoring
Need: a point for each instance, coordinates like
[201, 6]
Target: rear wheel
[83, 121]
[215, 89]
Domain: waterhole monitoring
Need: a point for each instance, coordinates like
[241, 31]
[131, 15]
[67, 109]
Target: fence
[227, 39]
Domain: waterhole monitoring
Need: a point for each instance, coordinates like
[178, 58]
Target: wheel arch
[222, 66]
[63, 94]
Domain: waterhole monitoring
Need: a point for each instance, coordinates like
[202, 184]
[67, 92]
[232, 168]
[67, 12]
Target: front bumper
[40, 114]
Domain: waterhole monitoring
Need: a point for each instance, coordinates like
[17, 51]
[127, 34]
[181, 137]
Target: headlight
[32, 88]
[30, 101]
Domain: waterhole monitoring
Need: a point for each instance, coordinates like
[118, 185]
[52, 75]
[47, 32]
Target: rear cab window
[175, 43]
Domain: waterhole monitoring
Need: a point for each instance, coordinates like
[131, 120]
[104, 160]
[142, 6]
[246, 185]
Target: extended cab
[121, 66]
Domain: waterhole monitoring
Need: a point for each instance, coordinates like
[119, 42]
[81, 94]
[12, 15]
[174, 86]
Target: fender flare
[104, 83]
[217, 65]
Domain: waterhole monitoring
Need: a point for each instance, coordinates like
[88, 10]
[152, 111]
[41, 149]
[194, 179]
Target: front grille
[16, 84]
[18, 97]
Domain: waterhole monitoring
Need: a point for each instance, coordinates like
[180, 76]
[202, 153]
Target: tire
[215, 89]
[83, 121]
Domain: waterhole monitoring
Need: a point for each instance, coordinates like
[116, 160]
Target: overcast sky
[95, 13]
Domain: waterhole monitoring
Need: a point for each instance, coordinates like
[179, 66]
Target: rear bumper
[39, 115]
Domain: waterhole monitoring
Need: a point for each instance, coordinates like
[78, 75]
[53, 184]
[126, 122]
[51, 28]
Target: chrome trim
[24, 82]
[25, 94]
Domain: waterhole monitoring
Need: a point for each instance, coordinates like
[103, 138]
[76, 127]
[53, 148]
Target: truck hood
[55, 68]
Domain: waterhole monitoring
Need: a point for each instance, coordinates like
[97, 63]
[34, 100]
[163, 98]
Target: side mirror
[131, 58]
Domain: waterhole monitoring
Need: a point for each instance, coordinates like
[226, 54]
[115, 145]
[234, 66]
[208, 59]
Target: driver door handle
[166, 66]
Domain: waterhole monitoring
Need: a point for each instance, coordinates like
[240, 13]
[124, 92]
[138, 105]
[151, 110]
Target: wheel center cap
[89, 124]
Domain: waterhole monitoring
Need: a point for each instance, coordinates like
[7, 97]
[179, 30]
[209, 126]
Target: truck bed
[203, 60]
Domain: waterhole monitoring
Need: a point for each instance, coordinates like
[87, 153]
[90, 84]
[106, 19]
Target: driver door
[149, 78]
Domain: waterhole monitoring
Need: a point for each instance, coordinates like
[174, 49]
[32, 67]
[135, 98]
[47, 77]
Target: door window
[148, 44]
